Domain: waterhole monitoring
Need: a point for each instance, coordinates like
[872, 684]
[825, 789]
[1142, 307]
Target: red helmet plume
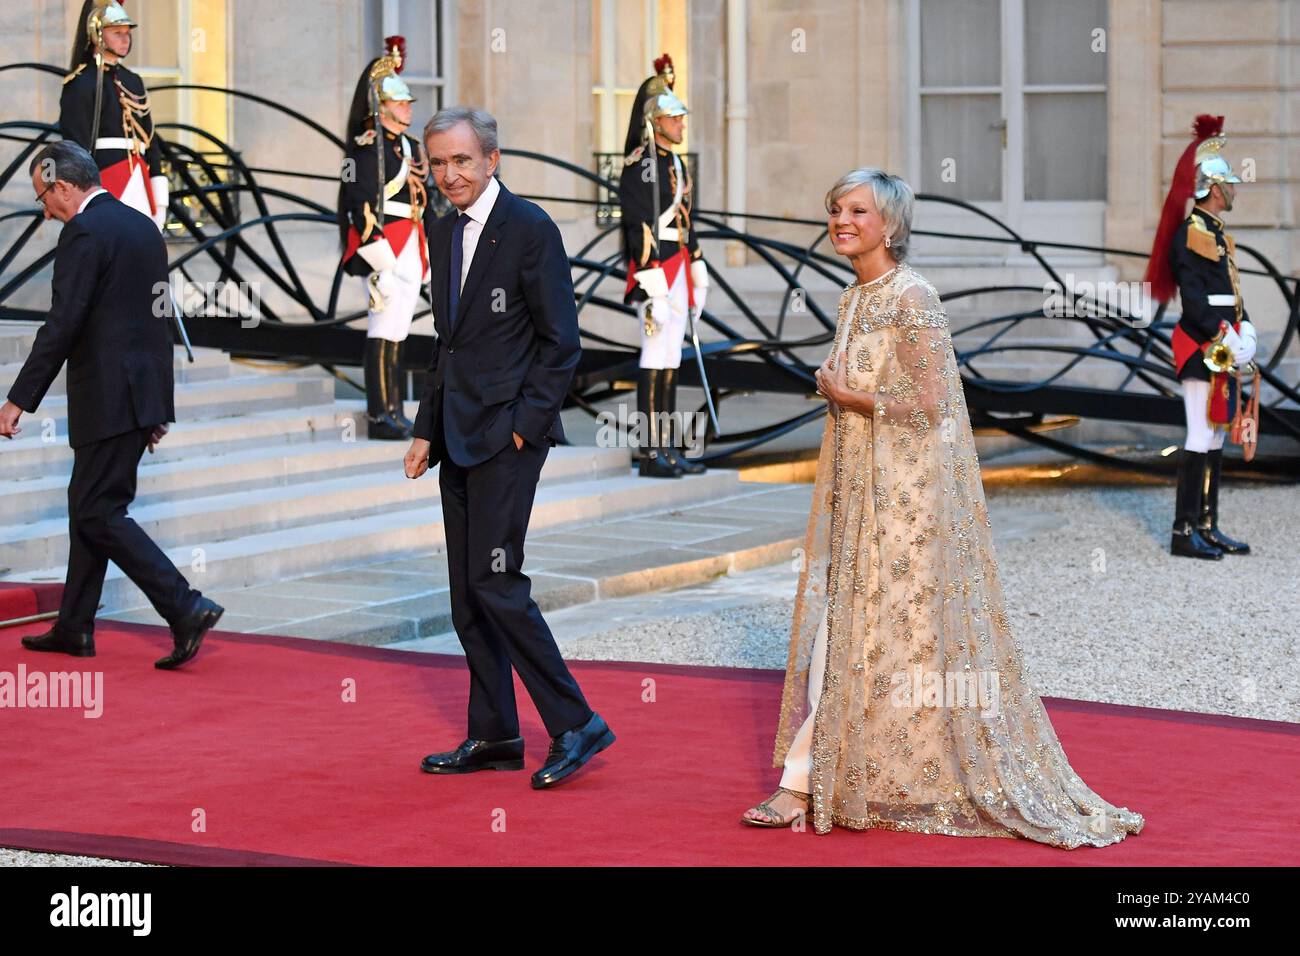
[396, 40]
[664, 65]
[1181, 189]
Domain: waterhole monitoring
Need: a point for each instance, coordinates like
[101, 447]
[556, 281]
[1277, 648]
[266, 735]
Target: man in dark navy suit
[505, 355]
[109, 324]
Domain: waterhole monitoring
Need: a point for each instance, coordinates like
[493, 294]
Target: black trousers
[485, 510]
[101, 489]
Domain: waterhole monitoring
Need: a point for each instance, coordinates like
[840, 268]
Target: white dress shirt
[478, 213]
[99, 189]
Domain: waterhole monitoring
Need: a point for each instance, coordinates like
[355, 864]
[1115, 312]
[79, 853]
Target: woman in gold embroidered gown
[906, 705]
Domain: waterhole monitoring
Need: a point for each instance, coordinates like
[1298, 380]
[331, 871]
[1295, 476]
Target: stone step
[380, 602]
[199, 522]
[221, 398]
[257, 559]
[159, 480]
[31, 456]
[208, 364]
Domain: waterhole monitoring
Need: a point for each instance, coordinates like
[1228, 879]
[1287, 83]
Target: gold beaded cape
[927, 721]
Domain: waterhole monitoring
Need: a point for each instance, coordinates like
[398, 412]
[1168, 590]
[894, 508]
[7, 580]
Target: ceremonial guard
[382, 206]
[1214, 338]
[666, 276]
[105, 108]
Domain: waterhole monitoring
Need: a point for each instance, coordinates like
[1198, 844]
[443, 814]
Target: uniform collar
[1209, 215]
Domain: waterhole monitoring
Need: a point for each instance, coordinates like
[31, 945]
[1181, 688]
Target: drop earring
[886, 242]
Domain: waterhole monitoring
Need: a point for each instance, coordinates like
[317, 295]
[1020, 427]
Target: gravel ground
[1102, 610]
[26, 858]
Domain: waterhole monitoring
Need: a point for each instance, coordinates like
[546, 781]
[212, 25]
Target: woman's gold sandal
[773, 819]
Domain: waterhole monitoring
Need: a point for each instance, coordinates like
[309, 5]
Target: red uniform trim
[678, 260]
[397, 232]
[115, 177]
[1185, 346]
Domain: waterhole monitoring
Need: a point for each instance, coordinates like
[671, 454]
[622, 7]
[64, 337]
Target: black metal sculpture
[206, 224]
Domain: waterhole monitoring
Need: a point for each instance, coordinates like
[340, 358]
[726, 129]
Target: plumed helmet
[1211, 166]
[384, 72]
[111, 14]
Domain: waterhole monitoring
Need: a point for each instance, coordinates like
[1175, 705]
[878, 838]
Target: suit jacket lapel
[440, 265]
[483, 252]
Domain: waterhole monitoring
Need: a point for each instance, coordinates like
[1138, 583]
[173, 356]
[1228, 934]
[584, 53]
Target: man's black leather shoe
[478, 755]
[571, 750]
[78, 645]
[188, 633]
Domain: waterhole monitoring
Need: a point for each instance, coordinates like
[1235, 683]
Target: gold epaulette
[633, 156]
[74, 74]
[1201, 240]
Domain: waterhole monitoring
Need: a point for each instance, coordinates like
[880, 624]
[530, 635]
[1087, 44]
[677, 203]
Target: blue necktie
[457, 258]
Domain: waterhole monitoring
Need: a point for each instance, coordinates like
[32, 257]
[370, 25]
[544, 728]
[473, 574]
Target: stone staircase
[266, 477]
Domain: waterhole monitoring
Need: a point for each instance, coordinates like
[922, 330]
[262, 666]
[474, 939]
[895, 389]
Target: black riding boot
[668, 388]
[1186, 540]
[1209, 523]
[652, 463]
[393, 364]
[379, 419]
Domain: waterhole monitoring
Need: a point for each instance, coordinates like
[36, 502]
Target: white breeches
[798, 760]
[664, 348]
[1202, 436]
[393, 322]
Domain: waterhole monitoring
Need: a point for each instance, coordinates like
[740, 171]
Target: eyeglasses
[40, 199]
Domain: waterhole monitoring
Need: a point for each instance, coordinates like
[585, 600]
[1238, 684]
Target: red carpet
[256, 736]
[19, 599]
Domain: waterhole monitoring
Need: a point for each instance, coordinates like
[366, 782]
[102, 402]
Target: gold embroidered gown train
[926, 720]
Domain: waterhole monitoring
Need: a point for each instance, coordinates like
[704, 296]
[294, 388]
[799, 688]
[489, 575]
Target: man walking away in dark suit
[507, 347]
[106, 323]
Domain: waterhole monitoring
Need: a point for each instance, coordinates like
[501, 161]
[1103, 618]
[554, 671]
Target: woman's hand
[833, 383]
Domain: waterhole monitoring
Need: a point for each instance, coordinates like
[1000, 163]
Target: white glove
[378, 255]
[1233, 341]
[699, 284]
[1246, 353]
[654, 281]
[161, 194]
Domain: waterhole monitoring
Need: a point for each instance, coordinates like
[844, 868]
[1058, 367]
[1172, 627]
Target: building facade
[1062, 118]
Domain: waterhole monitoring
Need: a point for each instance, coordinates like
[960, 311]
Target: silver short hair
[894, 198]
[482, 122]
